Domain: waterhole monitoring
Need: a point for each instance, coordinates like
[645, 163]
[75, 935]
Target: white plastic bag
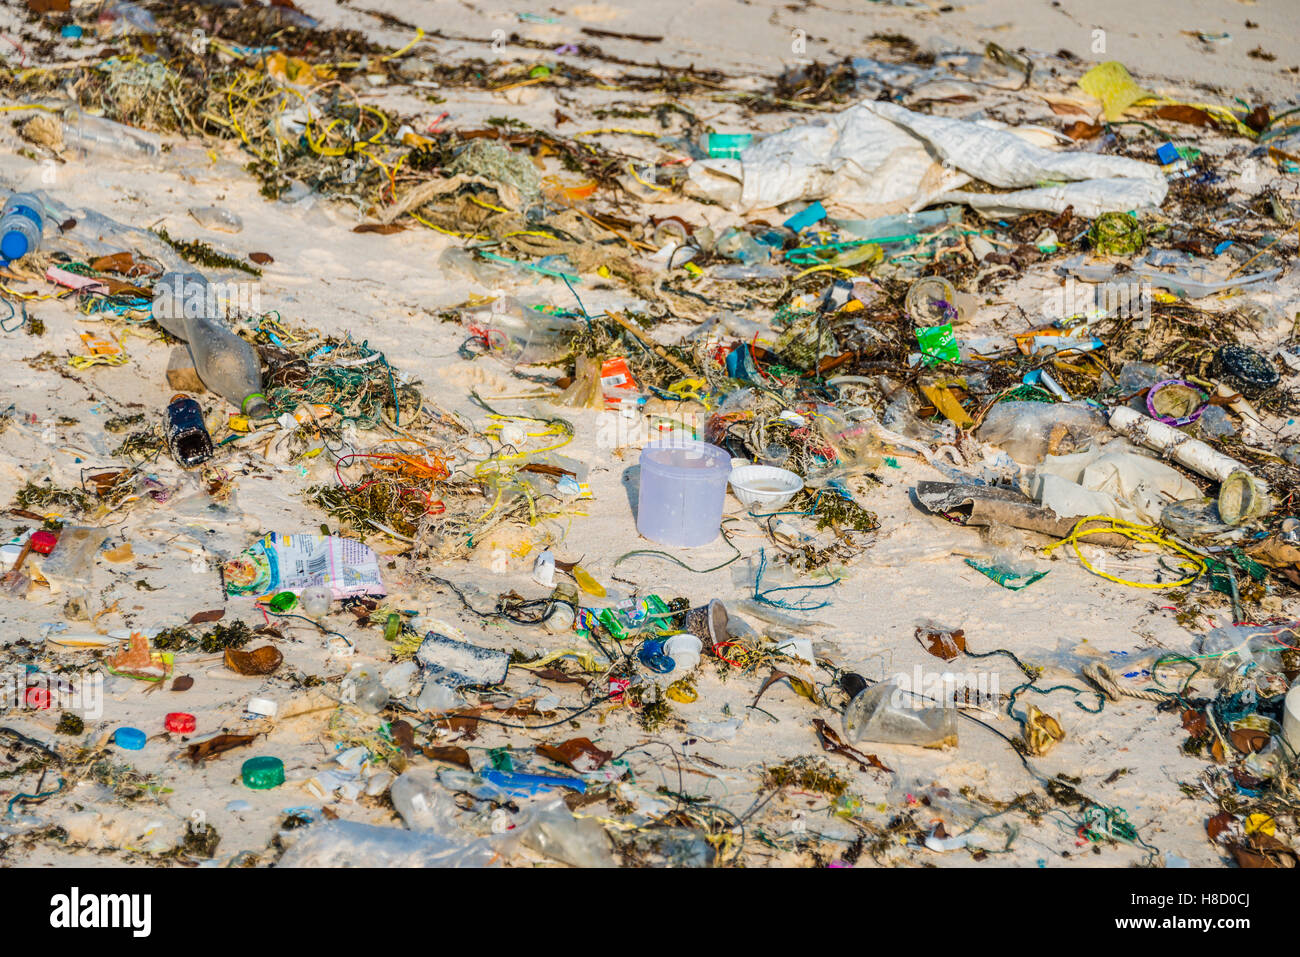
[880, 158]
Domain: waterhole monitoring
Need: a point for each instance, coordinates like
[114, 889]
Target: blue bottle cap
[130, 739]
[653, 657]
[13, 245]
[1167, 154]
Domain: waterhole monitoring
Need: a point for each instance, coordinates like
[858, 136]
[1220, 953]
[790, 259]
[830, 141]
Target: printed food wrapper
[938, 344]
[282, 562]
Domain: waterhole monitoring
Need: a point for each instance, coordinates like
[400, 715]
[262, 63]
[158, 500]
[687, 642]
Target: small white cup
[684, 650]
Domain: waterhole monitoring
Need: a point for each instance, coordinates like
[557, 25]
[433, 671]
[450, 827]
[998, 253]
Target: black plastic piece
[187, 436]
[1245, 370]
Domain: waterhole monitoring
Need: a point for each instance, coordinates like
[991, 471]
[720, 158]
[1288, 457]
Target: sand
[388, 291]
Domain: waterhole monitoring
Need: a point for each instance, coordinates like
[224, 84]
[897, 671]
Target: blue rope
[760, 593]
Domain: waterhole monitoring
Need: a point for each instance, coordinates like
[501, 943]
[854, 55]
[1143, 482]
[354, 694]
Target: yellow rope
[618, 129]
[446, 232]
[812, 269]
[636, 176]
[33, 296]
[85, 362]
[496, 209]
[1141, 534]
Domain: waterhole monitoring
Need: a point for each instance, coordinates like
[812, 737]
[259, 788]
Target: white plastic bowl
[764, 485]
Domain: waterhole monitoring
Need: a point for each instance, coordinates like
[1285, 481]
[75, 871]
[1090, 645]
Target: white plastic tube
[1291, 719]
[1182, 448]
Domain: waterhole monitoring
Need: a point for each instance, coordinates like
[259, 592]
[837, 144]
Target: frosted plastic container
[683, 485]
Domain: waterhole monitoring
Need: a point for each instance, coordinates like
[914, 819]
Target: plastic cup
[684, 650]
[708, 623]
[682, 492]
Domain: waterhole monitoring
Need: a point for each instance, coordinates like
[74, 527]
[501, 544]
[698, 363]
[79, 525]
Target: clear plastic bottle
[21, 225]
[85, 133]
[226, 364]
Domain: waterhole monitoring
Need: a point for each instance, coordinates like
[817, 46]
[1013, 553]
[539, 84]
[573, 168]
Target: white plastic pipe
[1182, 448]
[1291, 719]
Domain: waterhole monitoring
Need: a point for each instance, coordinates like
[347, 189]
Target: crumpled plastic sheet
[878, 158]
[1110, 482]
[352, 844]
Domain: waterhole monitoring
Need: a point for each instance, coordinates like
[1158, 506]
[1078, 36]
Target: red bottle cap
[38, 698]
[43, 542]
[180, 722]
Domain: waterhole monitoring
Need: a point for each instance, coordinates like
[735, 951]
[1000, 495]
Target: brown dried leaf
[259, 661]
[449, 753]
[218, 745]
[123, 264]
[1249, 740]
[404, 735]
[384, 229]
[1218, 824]
[1274, 553]
[1263, 851]
[1182, 113]
[105, 480]
[830, 741]
[578, 753]
[800, 686]
[555, 674]
[203, 617]
[183, 683]
[554, 470]
[464, 720]
[1194, 723]
[262, 259]
[942, 644]
[1081, 130]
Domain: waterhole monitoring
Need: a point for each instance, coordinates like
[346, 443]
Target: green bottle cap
[283, 602]
[262, 773]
